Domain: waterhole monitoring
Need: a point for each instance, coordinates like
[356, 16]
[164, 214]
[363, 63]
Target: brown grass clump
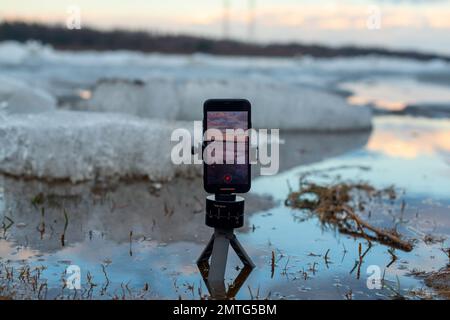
[440, 281]
[333, 205]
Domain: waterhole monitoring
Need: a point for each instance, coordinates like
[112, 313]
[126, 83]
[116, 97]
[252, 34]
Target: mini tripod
[224, 213]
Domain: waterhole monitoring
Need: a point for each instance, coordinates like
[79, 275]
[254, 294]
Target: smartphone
[226, 165]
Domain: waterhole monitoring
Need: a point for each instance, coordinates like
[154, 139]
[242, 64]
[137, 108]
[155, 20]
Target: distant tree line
[90, 39]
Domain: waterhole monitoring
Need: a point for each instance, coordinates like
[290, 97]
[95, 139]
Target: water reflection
[301, 148]
[213, 272]
[144, 235]
[162, 212]
[398, 139]
[396, 93]
[218, 290]
[165, 212]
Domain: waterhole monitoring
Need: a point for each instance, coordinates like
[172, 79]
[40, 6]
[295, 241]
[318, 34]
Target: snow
[86, 145]
[274, 105]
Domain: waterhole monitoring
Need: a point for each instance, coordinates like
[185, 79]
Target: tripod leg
[238, 282]
[218, 258]
[204, 257]
[239, 249]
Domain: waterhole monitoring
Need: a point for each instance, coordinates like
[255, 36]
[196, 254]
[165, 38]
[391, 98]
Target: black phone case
[226, 105]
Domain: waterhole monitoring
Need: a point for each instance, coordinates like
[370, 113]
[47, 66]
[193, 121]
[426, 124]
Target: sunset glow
[421, 25]
[410, 144]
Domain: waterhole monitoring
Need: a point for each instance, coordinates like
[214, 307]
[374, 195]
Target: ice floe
[18, 97]
[274, 105]
[86, 145]
[125, 128]
[80, 146]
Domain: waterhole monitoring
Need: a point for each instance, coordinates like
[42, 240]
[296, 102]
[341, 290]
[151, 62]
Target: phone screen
[227, 150]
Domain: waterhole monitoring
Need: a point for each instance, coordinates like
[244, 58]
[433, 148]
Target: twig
[394, 257]
[66, 224]
[272, 265]
[326, 258]
[404, 245]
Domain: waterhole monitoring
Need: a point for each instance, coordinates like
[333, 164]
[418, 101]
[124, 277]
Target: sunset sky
[408, 24]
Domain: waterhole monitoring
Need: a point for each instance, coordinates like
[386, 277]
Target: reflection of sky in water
[170, 269]
[414, 157]
[396, 93]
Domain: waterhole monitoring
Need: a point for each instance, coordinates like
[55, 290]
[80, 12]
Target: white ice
[86, 145]
[18, 97]
[274, 105]
[126, 128]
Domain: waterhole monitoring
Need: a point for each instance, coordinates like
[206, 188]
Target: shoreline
[152, 42]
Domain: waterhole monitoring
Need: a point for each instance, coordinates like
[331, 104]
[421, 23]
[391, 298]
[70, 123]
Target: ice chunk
[12, 53]
[156, 99]
[274, 105]
[77, 146]
[18, 97]
[86, 145]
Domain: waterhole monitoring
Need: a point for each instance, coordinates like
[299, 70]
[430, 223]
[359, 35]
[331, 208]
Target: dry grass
[26, 282]
[336, 207]
[440, 281]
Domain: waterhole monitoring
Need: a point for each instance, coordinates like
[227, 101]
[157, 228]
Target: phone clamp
[224, 213]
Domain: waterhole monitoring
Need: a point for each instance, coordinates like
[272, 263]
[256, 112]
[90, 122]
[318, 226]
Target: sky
[422, 25]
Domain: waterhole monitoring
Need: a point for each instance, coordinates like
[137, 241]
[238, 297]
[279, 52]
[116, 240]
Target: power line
[251, 20]
[226, 19]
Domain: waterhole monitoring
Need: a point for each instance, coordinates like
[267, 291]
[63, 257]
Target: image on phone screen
[227, 165]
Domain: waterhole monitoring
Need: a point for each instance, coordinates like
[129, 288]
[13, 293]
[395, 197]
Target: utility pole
[251, 20]
[226, 19]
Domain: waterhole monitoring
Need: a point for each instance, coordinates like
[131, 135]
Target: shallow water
[125, 235]
[395, 93]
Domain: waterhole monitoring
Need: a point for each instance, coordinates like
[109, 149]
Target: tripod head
[224, 211]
